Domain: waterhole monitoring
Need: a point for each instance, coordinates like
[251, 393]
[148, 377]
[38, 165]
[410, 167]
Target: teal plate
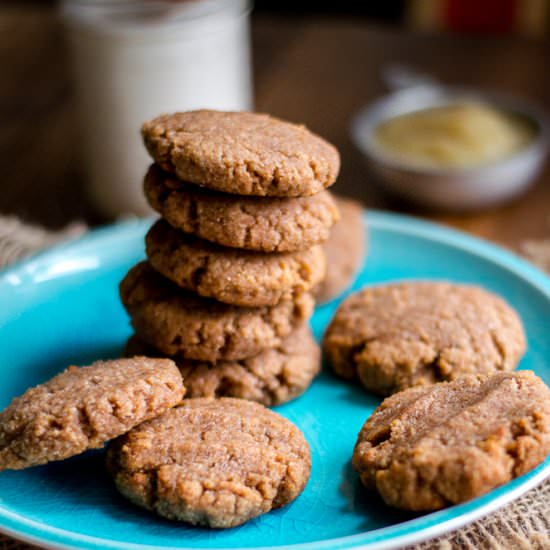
[62, 307]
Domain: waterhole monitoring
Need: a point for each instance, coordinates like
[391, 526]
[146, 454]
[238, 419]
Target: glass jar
[136, 59]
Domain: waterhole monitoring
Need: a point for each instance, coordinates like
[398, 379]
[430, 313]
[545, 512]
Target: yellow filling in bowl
[454, 136]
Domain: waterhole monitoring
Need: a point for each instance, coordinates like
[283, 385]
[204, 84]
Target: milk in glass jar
[136, 59]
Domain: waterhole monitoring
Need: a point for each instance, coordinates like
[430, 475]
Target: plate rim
[384, 538]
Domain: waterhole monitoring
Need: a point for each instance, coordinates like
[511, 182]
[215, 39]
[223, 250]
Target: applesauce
[460, 135]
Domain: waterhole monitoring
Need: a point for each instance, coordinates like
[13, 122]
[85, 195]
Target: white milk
[134, 60]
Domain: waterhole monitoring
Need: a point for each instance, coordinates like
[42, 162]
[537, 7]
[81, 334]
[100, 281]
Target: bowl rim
[367, 119]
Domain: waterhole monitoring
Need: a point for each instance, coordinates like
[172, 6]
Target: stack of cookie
[226, 288]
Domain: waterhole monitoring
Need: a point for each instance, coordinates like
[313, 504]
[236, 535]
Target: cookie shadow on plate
[82, 482]
[368, 503]
[79, 481]
[355, 392]
[358, 395]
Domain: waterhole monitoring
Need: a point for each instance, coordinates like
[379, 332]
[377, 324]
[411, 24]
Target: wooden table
[315, 70]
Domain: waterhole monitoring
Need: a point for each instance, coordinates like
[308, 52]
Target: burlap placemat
[522, 525]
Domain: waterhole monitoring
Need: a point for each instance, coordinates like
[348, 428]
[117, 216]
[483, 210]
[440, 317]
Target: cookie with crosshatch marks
[265, 224]
[82, 408]
[429, 447]
[242, 153]
[231, 276]
[272, 377]
[212, 462]
[414, 333]
[174, 320]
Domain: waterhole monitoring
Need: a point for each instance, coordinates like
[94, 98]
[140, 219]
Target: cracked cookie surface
[265, 224]
[272, 377]
[239, 277]
[213, 462]
[400, 335]
[177, 321]
[429, 447]
[242, 153]
[82, 408]
[345, 250]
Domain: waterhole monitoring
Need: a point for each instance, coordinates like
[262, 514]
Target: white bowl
[451, 188]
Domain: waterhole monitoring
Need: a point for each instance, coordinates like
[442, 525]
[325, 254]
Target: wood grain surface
[316, 70]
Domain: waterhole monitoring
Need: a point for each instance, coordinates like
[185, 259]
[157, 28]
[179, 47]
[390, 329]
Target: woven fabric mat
[522, 525]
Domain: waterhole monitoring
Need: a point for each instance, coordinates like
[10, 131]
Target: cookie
[212, 462]
[344, 250]
[238, 277]
[430, 447]
[82, 408]
[415, 333]
[242, 153]
[272, 377]
[264, 224]
[176, 321]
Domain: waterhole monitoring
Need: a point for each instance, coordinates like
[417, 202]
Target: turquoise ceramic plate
[62, 307]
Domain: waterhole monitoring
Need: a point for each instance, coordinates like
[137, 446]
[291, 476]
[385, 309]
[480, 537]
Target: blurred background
[66, 86]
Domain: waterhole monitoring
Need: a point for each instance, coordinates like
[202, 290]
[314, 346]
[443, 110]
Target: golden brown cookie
[82, 408]
[213, 462]
[345, 250]
[265, 224]
[239, 277]
[242, 153]
[416, 333]
[272, 377]
[176, 321]
[430, 447]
